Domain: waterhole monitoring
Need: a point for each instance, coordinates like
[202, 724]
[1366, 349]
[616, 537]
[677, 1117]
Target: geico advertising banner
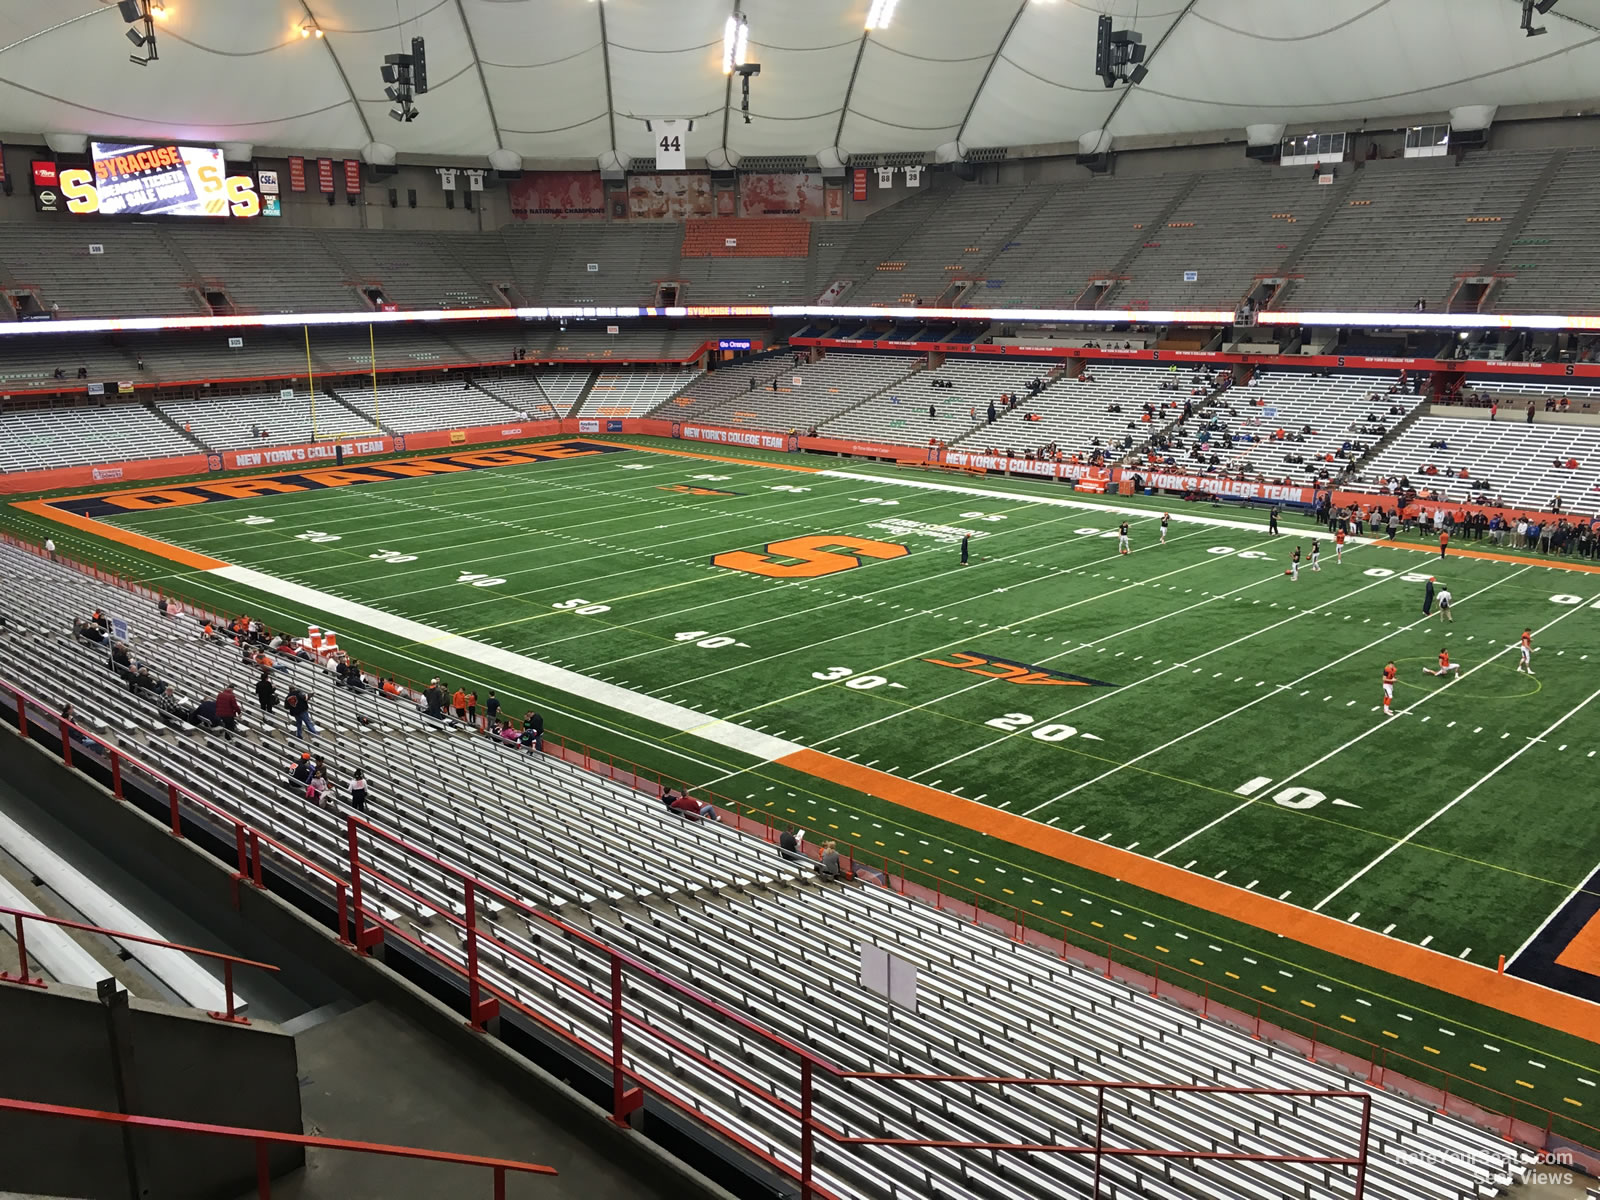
[1243, 489]
[168, 180]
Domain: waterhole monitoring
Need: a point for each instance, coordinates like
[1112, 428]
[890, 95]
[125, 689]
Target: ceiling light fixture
[310, 29]
[141, 12]
[735, 42]
[880, 14]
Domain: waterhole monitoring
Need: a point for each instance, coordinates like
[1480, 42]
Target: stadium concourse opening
[946, 647]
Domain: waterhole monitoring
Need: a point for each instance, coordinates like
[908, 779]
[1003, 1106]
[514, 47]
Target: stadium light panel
[136, 38]
[880, 14]
[130, 10]
[735, 42]
[158, 11]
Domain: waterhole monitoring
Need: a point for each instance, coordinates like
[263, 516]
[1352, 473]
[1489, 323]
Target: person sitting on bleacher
[120, 662]
[828, 863]
[789, 845]
[89, 630]
[302, 771]
[533, 731]
[508, 734]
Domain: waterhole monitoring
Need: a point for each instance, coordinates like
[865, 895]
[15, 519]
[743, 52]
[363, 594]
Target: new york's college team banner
[1238, 489]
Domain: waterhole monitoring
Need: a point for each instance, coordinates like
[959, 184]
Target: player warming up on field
[1444, 605]
[1165, 518]
[1445, 665]
[1294, 566]
[1388, 689]
[1525, 662]
[1316, 553]
[1122, 538]
[1338, 544]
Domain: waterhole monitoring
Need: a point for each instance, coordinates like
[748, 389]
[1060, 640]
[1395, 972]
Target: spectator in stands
[491, 708]
[686, 806]
[472, 708]
[120, 661]
[50, 549]
[298, 705]
[227, 705]
[458, 702]
[89, 630]
[533, 731]
[433, 700]
[83, 372]
[508, 733]
[302, 771]
[266, 693]
[358, 790]
[828, 863]
[1530, 412]
[789, 845]
[317, 789]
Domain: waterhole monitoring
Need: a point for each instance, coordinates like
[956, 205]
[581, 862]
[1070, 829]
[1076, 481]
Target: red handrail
[986, 910]
[228, 961]
[264, 1138]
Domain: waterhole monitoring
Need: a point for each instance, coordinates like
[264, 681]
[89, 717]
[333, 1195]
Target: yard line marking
[1515, 754]
[1362, 650]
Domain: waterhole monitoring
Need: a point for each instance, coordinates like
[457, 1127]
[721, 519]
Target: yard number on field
[1046, 732]
[316, 535]
[860, 683]
[1289, 797]
[255, 520]
[580, 606]
[707, 640]
[477, 580]
[393, 556]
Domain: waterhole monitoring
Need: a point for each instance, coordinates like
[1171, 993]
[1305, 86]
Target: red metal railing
[1514, 1117]
[228, 961]
[265, 1139]
[486, 995]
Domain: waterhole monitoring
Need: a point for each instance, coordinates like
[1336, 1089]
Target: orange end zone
[1518, 997]
[126, 537]
[1583, 951]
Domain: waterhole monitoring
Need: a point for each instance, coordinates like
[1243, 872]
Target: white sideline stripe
[1555, 912]
[192, 983]
[673, 716]
[1087, 506]
[50, 947]
[1518, 753]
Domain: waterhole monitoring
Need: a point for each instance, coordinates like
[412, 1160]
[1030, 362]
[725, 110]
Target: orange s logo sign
[814, 561]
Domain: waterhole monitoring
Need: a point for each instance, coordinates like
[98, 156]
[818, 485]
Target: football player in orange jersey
[1388, 689]
[1445, 665]
[1338, 544]
[1525, 663]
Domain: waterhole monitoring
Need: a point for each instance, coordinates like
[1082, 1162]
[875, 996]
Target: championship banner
[559, 195]
[297, 174]
[858, 184]
[352, 177]
[325, 174]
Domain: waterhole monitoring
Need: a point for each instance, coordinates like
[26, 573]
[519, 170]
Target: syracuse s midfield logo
[1014, 672]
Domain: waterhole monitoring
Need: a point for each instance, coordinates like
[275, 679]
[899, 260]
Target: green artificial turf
[1146, 691]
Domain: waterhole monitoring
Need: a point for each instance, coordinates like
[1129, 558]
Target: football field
[808, 641]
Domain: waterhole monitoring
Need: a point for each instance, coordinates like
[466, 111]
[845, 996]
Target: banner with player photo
[786, 194]
[670, 197]
[558, 196]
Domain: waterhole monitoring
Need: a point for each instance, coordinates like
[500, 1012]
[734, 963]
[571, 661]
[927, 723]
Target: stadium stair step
[352, 410]
[1334, 205]
[165, 419]
[1513, 228]
[1120, 269]
[577, 405]
[494, 395]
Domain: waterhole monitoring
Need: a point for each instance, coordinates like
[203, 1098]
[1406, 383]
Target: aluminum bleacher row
[1075, 414]
[632, 393]
[900, 416]
[1509, 459]
[720, 912]
[39, 438]
[1333, 406]
[764, 395]
[226, 423]
[1397, 230]
[410, 407]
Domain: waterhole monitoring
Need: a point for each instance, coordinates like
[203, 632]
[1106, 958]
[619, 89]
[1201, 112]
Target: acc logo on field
[815, 559]
[1014, 672]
